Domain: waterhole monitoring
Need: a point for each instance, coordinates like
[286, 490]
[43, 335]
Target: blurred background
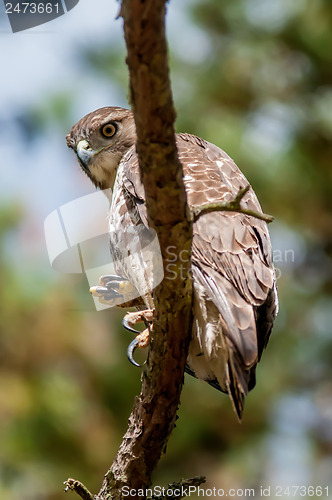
[252, 76]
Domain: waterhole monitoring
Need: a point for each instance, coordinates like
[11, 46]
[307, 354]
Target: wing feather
[231, 261]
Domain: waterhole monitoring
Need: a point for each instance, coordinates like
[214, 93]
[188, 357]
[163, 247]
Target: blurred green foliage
[257, 81]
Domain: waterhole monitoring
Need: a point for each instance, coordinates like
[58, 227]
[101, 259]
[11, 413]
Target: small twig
[180, 489]
[229, 206]
[81, 490]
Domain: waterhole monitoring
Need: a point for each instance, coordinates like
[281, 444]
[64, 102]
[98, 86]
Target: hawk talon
[112, 288]
[101, 289]
[106, 278]
[106, 293]
[141, 341]
[142, 338]
[130, 352]
[127, 326]
[112, 294]
[114, 284]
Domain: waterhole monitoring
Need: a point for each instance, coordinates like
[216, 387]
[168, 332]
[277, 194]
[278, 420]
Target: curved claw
[108, 293]
[112, 285]
[127, 326]
[112, 294]
[130, 352]
[110, 277]
[103, 290]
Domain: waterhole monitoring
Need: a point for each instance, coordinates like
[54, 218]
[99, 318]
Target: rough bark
[154, 412]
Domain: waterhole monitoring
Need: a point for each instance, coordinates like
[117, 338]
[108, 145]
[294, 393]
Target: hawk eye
[109, 130]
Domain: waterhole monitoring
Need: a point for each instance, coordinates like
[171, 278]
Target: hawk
[234, 284]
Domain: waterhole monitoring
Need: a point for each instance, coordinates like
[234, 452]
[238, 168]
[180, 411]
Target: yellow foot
[113, 290]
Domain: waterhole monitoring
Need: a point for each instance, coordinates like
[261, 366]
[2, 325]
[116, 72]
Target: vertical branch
[152, 419]
[154, 413]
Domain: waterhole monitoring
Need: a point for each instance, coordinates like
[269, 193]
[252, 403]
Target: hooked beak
[85, 153]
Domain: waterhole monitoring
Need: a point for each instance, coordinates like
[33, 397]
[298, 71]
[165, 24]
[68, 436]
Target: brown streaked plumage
[235, 298]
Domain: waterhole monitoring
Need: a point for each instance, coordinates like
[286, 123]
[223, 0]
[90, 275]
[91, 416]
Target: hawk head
[100, 139]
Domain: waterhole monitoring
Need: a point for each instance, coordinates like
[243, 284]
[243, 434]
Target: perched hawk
[235, 299]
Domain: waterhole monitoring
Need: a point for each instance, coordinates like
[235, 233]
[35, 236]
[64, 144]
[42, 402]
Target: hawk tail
[238, 382]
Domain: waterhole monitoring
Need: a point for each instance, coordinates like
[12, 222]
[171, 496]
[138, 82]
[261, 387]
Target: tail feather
[234, 392]
[238, 381]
